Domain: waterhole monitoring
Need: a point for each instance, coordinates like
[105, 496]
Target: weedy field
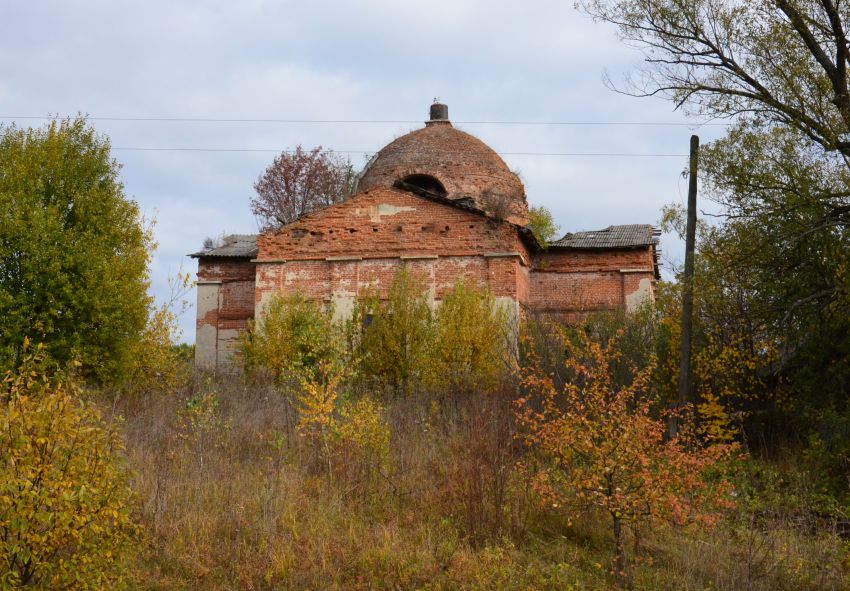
[232, 496]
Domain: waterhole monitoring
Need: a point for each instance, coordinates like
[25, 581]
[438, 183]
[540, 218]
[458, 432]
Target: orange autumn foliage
[596, 446]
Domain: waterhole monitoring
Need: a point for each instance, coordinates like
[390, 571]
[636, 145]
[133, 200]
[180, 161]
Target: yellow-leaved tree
[350, 433]
[298, 341]
[64, 495]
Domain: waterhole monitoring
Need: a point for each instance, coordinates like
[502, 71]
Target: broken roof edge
[236, 246]
[525, 233]
[245, 245]
[464, 204]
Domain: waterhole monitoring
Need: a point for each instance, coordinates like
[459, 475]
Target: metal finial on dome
[439, 112]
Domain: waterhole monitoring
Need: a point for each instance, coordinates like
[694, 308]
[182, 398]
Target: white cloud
[368, 59]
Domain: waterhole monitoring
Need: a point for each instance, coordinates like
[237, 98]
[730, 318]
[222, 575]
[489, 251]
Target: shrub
[470, 339]
[349, 434]
[362, 437]
[542, 225]
[292, 339]
[156, 363]
[463, 344]
[64, 497]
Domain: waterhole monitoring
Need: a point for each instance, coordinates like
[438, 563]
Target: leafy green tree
[73, 249]
[780, 69]
[781, 241]
[772, 274]
[772, 278]
[64, 496]
[542, 224]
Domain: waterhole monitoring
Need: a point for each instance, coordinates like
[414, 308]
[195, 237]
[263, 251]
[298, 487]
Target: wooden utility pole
[685, 389]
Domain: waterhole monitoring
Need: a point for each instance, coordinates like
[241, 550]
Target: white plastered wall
[206, 334]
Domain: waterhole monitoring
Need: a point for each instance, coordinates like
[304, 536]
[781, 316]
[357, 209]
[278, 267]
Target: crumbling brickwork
[466, 167]
[226, 289]
[334, 254]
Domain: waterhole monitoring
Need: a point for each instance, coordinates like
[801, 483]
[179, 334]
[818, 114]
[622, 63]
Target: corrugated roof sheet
[235, 245]
[626, 236]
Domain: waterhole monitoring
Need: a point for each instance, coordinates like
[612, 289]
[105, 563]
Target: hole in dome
[426, 183]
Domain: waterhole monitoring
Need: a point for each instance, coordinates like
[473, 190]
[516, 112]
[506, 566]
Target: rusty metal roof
[243, 246]
[626, 236]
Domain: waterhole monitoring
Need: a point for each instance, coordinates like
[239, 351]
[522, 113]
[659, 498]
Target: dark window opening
[426, 183]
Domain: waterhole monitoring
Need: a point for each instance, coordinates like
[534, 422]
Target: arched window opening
[425, 182]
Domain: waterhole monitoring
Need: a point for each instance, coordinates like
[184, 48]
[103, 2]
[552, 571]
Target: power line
[277, 151]
[377, 121]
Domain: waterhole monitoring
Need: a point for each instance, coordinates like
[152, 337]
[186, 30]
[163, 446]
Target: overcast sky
[364, 60]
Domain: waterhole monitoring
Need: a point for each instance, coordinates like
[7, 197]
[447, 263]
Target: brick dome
[446, 160]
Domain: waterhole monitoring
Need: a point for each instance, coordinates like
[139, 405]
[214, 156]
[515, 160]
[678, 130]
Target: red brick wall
[575, 281]
[387, 223]
[594, 260]
[382, 230]
[556, 290]
[322, 279]
[360, 243]
[334, 254]
[225, 269]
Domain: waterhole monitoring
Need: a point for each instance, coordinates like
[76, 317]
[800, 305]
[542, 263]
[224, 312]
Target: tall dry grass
[232, 497]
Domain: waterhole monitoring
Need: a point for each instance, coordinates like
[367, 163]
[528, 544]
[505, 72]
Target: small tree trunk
[621, 567]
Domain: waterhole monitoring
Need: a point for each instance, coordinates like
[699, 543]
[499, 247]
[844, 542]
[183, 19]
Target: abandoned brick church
[442, 203]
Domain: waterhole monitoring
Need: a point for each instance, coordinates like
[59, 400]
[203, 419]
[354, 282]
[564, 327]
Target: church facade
[441, 203]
